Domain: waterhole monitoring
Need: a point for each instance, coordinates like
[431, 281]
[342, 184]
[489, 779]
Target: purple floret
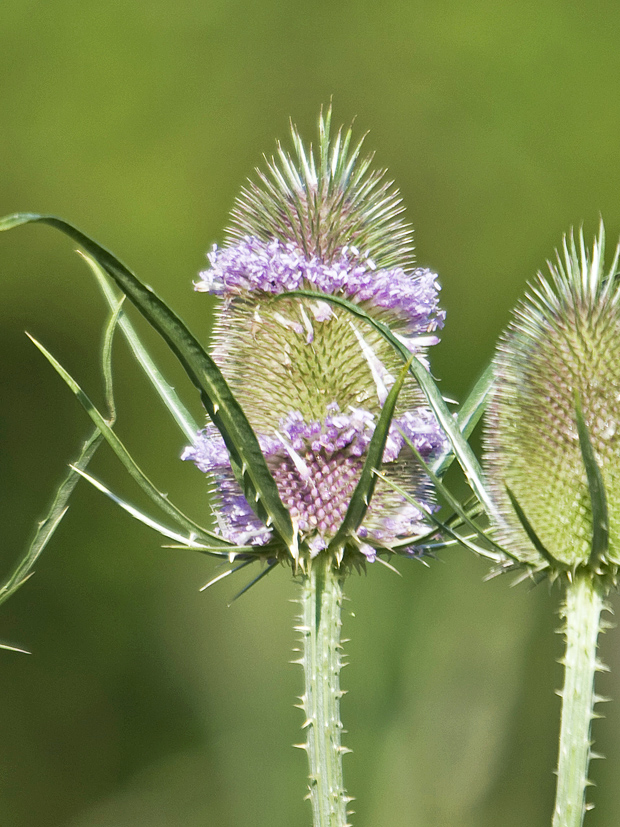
[274, 267]
[316, 466]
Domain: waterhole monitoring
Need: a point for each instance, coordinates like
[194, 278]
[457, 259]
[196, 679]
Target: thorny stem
[582, 611]
[321, 658]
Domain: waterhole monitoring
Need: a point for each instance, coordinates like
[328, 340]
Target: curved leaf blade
[443, 526]
[187, 542]
[59, 505]
[596, 487]
[469, 415]
[124, 456]
[360, 500]
[474, 406]
[247, 460]
[531, 533]
[166, 392]
[464, 454]
[46, 528]
[452, 502]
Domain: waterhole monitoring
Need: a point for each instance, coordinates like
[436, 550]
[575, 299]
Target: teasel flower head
[310, 376]
[552, 438]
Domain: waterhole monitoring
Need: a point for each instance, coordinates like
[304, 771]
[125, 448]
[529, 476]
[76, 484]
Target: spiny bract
[310, 376]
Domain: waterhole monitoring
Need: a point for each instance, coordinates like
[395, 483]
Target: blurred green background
[145, 702]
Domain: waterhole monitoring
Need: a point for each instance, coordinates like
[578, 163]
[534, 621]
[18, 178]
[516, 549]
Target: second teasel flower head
[558, 362]
[310, 376]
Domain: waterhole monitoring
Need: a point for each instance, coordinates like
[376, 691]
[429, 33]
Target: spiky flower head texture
[312, 378]
[559, 356]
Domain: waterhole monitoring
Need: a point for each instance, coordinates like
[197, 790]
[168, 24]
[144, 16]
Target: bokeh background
[145, 702]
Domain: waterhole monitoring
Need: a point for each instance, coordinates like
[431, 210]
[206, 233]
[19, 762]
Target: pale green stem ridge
[321, 659]
[582, 612]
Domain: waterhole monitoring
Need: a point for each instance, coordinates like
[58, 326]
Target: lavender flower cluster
[308, 460]
[275, 267]
[316, 462]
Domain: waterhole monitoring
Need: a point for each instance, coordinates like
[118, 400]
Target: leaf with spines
[124, 456]
[166, 392]
[531, 534]
[360, 500]
[188, 542]
[59, 506]
[596, 487]
[468, 416]
[445, 527]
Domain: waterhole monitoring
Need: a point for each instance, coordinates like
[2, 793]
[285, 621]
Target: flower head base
[316, 466]
[311, 377]
[559, 357]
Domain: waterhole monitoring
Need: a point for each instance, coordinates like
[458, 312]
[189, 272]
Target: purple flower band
[338, 431]
[316, 466]
[274, 267]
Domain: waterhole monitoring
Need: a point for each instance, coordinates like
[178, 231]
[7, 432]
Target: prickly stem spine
[320, 627]
[582, 613]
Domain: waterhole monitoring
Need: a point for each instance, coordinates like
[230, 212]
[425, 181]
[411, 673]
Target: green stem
[582, 611]
[320, 637]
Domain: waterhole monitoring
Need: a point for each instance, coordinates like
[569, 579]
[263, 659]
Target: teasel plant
[552, 463]
[551, 472]
[326, 435]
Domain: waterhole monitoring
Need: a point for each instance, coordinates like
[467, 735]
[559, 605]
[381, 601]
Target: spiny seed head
[324, 201]
[560, 353]
[310, 376]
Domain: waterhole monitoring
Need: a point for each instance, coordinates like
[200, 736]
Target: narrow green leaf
[232, 552]
[59, 506]
[596, 487]
[464, 454]
[106, 360]
[454, 521]
[432, 538]
[10, 648]
[247, 460]
[167, 393]
[360, 500]
[46, 528]
[160, 528]
[17, 219]
[474, 406]
[468, 415]
[444, 526]
[533, 537]
[121, 452]
[453, 503]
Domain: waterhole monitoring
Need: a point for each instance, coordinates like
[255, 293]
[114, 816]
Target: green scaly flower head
[312, 377]
[553, 426]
